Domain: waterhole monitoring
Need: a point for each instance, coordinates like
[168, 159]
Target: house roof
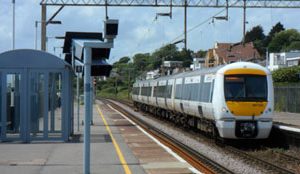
[235, 52]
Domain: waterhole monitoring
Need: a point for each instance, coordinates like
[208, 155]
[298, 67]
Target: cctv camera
[111, 28]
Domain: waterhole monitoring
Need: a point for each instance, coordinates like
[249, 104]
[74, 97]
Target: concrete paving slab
[142, 155]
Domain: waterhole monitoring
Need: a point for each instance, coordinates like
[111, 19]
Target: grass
[111, 93]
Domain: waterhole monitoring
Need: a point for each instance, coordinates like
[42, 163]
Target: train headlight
[224, 109]
[269, 110]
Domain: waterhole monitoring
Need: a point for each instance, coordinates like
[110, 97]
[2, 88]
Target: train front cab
[245, 108]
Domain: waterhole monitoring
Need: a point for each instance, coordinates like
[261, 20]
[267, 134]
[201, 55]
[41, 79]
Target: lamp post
[14, 21]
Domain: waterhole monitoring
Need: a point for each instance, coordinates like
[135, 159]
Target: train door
[169, 89]
[166, 94]
[194, 85]
[148, 92]
[185, 103]
[156, 92]
[178, 94]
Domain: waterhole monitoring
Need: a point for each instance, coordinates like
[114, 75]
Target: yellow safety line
[119, 152]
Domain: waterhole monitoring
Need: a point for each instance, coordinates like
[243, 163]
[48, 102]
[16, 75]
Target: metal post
[14, 22]
[106, 10]
[43, 28]
[87, 104]
[77, 89]
[185, 24]
[128, 85]
[267, 57]
[92, 99]
[244, 22]
[78, 102]
[36, 33]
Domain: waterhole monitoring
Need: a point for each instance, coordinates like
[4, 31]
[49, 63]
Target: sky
[139, 32]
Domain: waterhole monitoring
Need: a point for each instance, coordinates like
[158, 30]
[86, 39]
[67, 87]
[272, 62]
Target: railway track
[283, 158]
[258, 161]
[269, 166]
[197, 160]
[287, 157]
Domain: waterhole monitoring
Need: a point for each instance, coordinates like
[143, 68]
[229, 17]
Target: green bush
[289, 74]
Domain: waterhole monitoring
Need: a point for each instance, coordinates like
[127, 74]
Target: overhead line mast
[178, 3]
[163, 3]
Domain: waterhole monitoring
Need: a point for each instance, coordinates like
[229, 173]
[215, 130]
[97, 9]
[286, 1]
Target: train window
[191, 91]
[149, 89]
[155, 91]
[194, 88]
[144, 91]
[245, 88]
[168, 91]
[135, 91]
[205, 92]
[159, 91]
[162, 91]
[178, 91]
[186, 92]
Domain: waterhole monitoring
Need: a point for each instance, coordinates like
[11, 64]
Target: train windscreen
[245, 88]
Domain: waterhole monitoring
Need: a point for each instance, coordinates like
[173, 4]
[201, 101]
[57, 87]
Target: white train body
[235, 99]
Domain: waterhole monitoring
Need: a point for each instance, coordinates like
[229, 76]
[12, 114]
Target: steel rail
[267, 165]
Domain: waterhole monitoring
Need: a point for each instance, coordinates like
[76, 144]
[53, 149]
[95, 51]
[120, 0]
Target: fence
[287, 98]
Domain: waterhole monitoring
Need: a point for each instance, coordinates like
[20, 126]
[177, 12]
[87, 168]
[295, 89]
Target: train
[232, 101]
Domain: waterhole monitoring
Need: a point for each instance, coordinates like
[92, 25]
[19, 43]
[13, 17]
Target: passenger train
[233, 101]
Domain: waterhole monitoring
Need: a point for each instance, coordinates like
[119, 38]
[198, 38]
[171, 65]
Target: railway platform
[288, 118]
[117, 146]
[287, 121]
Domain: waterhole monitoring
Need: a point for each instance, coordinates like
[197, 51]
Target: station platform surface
[117, 147]
[288, 118]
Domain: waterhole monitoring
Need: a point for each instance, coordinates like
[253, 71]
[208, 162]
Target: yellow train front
[243, 104]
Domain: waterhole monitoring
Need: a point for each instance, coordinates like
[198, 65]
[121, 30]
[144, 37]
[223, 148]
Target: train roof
[213, 70]
[184, 74]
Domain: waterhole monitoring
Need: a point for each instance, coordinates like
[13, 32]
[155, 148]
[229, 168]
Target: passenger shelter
[36, 97]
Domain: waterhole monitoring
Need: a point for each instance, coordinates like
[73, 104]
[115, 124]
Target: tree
[285, 41]
[275, 29]
[142, 61]
[256, 33]
[165, 53]
[295, 45]
[186, 57]
[200, 53]
[124, 60]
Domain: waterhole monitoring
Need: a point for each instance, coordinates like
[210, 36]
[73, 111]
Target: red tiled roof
[236, 52]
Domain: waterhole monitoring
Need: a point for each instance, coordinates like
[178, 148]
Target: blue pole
[92, 101]
[87, 105]
[14, 25]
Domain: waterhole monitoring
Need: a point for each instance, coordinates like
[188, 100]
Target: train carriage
[232, 101]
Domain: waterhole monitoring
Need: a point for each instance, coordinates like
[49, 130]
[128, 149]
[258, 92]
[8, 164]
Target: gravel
[230, 161]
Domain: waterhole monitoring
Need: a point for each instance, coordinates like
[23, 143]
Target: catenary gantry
[178, 3]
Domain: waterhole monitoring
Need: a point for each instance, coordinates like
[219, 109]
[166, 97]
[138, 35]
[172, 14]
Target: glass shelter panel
[37, 104]
[54, 108]
[1, 104]
[13, 114]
